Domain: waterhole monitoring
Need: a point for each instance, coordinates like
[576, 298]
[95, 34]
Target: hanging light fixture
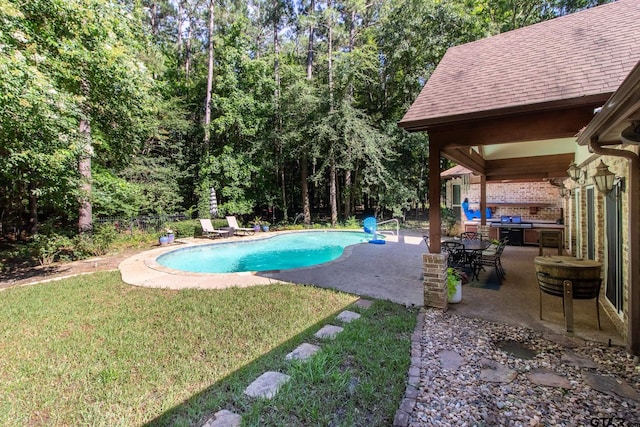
[564, 192]
[604, 178]
[575, 173]
[631, 134]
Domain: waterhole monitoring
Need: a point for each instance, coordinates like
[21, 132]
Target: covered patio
[516, 303]
[509, 107]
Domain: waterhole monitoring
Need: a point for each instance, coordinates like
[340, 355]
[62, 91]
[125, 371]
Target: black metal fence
[141, 223]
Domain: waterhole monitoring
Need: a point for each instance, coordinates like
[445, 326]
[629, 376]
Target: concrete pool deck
[392, 271]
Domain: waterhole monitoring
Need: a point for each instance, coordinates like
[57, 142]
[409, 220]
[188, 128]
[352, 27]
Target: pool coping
[143, 269]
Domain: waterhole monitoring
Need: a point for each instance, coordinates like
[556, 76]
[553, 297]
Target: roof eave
[617, 108]
[425, 124]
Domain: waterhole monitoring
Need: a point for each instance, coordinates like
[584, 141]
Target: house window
[591, 222]
[578, 222]
[456, 200]
[613, 230]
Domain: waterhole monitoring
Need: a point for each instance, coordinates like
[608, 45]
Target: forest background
[140, 107]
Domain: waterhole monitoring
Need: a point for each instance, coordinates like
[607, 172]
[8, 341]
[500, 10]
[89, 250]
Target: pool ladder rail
[397, 233]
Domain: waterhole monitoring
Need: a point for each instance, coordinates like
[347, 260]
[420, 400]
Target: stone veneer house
[527, 104]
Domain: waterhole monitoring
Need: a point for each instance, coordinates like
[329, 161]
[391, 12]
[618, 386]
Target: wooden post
[434, 197]
[568, 304]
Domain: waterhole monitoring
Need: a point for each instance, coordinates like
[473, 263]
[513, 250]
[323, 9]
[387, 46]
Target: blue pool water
[281, 252]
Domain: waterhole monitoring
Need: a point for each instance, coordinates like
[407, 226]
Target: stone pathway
[467, 372]
[266, 386]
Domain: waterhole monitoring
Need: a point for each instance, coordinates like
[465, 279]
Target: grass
[91, 350]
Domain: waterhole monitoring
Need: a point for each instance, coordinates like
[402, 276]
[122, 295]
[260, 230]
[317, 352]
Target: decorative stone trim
[407, 405]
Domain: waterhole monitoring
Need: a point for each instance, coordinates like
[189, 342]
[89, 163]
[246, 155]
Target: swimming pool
[280, 252]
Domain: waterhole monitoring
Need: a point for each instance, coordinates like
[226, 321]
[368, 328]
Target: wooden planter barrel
[569, 278]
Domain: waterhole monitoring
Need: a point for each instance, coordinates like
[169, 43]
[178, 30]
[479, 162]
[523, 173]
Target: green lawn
[91, 350]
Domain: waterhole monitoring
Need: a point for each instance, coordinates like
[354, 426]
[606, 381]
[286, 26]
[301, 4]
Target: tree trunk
[278, 117]
[347, 190]
[312, 29]
[333, 197]
[304, 169]
[330, 54]
[187, 52]
[179, 25]
[207, 108]
[333, 193]
[85, 220]
[347, 193]
[154, 19]
[32, 226]
[304, 175]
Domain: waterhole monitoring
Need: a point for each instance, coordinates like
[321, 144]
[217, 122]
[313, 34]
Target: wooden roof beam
[529, 167]
[467, 158]
[526, 127]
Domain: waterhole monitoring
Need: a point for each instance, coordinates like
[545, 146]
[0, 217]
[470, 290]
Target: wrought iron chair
[457, 256]
[471, 235]
[491, 258]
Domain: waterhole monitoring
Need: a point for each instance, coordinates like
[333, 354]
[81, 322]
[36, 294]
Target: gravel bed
[459, 396]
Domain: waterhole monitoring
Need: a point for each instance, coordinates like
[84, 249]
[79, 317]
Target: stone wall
[516, 193]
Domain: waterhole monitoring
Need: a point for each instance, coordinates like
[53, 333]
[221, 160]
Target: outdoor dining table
[472, 249]
[470, 245]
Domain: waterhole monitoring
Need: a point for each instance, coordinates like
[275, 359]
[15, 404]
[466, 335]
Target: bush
[185, 228]
[47, 248]
[352, 222]
[448, 218]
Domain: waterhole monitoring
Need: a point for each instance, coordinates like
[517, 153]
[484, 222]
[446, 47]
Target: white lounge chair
[209, 231]
[233, 224]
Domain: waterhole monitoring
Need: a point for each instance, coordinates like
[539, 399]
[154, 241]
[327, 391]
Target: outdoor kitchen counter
[536, 224]
[531, 235]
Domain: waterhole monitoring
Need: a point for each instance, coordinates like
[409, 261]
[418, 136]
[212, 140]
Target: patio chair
[235, 228]
[209, 231]
[470, 235]
[457, 256]
[583, 288]
[491, 258]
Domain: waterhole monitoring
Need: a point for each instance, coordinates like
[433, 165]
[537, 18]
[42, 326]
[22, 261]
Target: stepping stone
[267, 385]
[302, 352]
[611, 385]
[347, 316]
[563, 340]
[578, 361]
[329, 331]
[495, 372]
[450, 360]
[545, 377]
[363, 303]
[224, 418]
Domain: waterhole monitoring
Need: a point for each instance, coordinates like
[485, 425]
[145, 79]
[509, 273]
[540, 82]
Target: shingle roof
[578, 55]
[456, 170]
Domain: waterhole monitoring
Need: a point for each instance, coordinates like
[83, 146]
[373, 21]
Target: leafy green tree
[86, 56]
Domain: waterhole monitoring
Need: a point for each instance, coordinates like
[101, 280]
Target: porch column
[434, 197]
